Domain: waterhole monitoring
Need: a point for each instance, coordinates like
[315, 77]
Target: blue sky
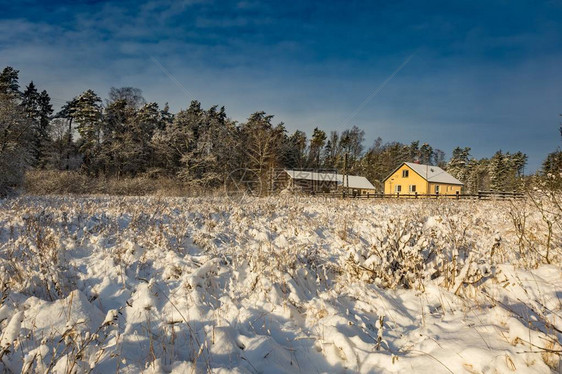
[482, 74]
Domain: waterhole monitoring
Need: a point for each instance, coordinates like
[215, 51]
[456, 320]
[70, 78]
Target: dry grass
[54, 182]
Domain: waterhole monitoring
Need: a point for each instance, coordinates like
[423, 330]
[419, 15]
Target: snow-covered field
[281, 285]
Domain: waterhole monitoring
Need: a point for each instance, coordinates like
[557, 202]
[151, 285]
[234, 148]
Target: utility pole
[427, 179]
[346, 175]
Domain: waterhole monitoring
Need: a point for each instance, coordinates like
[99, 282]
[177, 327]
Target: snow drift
[277, 285]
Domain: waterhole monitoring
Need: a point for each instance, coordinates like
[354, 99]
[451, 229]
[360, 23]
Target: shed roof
[355, 181]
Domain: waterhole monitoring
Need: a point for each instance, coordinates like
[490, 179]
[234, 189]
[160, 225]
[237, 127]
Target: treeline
[125, 136]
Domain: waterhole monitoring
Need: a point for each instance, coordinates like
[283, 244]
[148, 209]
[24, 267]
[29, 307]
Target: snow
[275, 285]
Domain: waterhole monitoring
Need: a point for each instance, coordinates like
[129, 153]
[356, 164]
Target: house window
[412, 188]
[436, 189]
[405, 173]
[397, 188]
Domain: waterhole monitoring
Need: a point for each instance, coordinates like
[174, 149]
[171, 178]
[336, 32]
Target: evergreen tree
[516, 166]
[316, 145]
[9, 82]
[262, 142]
[30, 105]
[200, 146]
[552, 165]
[458, 165]
[415, 155]
[381, 159]
[66, 114]
[477, 176]
[332, 151]
[145, 122]
[166, 117]
[498, 170]
[439, 158]
[88, 115]
[518, 161]
[176, 139]
[115, 156]
[426, 154]
[351, 142]
[225, 146]
[294, 150]
[15, 142]
[43, 141]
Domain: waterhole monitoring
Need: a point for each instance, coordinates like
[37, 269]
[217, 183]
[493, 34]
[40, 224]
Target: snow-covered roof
[355, 181]
[433, 174]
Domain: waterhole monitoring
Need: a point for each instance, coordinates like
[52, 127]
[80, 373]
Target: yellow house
[410, 179]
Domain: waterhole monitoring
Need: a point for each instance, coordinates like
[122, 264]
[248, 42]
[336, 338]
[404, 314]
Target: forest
[124, 136]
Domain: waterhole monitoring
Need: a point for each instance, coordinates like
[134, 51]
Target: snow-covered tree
[552, 164]
[498, 171]
[38, 109]
[317, 142]
[294, 150]
[9, 82]
[15, 143]
[262, 141]
[458, 164]
[87, 113]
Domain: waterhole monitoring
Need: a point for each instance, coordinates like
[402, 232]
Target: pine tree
[113, 151]
[439, 158]
[316, 144]
[331, 151]
[176, 140]
[30, 101]
[384, 158]
[477, 176]
[30, 105]
[458, 165]
[552, 165]
[351, 142]
[15, 142]
[517, 162]
[67, 114]
[426, 154]
[9, 82]
[294, 150]
[415, 155]
[43, 129]
[139, 135]
[262, 142]
[88, 115]
[166, 117]
[498, 170]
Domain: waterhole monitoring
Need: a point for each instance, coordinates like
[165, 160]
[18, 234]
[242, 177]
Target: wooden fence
[481, 195]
